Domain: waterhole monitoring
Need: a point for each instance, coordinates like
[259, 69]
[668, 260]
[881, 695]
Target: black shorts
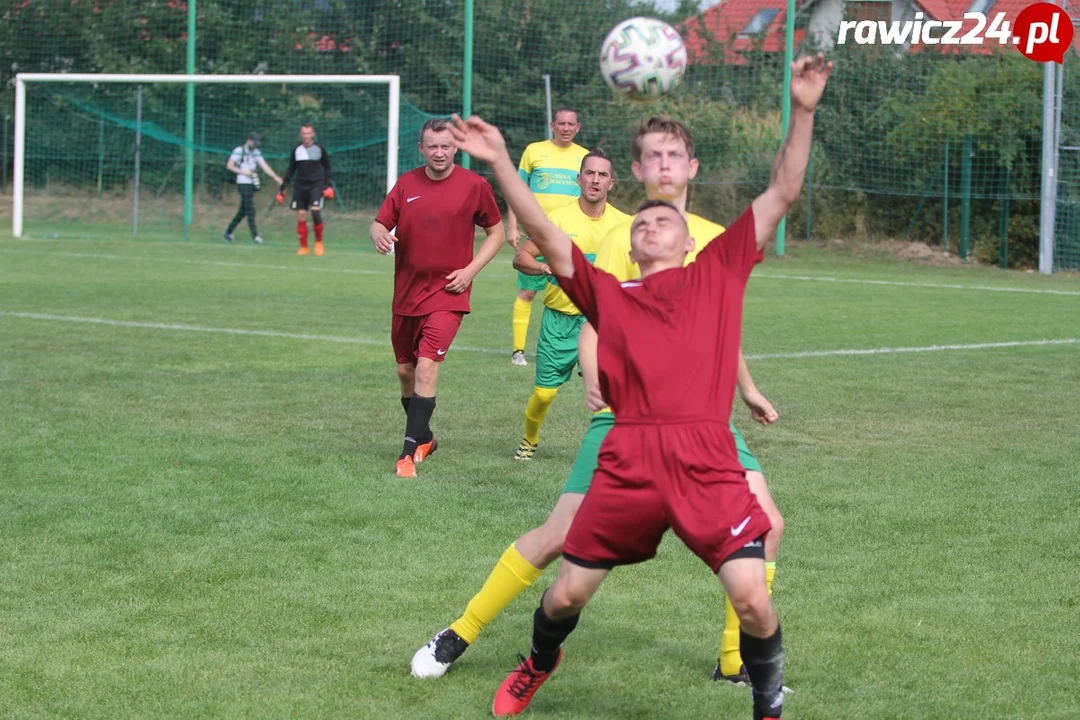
[307, 197]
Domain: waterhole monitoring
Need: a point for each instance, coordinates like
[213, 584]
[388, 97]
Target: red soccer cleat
[405, 467]
[517, 690]
[425, 449]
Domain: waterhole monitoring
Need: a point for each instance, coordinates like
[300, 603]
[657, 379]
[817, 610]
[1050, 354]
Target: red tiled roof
[724, 21]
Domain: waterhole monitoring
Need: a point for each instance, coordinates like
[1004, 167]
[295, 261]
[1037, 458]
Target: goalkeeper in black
[310, 165]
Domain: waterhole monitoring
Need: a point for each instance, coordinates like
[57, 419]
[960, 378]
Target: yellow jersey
[586, 232]
[551, 172]
[613, 253]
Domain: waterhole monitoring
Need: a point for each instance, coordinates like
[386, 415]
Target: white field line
[901, 283]
[899, 350]
[180, 327]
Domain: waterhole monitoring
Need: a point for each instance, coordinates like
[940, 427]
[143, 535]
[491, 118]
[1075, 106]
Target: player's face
[307, 136]
[665, 168]
[596, 179]
[565, 127]
[659, 235]
[438, 150]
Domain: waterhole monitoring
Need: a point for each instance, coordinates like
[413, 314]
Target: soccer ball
[643, 57]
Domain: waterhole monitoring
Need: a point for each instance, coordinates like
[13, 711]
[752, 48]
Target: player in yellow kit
[586, 221]
[550, 169]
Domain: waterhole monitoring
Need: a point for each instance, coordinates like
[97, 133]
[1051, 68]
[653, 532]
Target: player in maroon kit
[434, 209]
[668, 358]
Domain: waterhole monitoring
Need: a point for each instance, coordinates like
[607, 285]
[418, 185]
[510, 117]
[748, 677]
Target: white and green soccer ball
[642, 57]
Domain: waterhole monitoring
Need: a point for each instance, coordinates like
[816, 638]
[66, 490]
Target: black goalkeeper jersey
[309, 165]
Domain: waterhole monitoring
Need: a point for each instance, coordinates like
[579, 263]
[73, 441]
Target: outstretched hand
[809, 76]
[477, 138]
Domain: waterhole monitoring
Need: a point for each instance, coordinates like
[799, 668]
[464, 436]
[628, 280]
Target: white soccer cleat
[518, 358]
[435, 658]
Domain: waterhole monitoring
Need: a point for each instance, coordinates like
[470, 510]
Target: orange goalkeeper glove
[328, 193]
[280, 199]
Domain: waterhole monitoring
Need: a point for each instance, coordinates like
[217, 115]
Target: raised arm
[484, 142]
[808, 78]
[525, 260]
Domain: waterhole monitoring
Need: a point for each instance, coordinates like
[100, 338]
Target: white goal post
[22, 79]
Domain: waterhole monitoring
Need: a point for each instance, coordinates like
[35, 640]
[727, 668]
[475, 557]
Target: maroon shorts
[424, 336]
[653, 477]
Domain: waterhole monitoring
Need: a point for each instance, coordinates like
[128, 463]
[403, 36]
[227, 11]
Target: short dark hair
[667, 126]
[564, 108]
[306, 125]
[649, 204]
[253, 136]
[601, 153]
[435, 124]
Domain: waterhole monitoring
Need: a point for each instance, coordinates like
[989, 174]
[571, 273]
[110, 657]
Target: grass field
[199, 517]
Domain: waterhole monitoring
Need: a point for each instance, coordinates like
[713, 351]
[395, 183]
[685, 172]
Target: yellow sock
[730, 659]
[536, 410]
[522, 311]
[510, 577]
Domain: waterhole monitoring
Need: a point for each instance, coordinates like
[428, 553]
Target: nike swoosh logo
[736, 529]
[409, 200]
[440, 352]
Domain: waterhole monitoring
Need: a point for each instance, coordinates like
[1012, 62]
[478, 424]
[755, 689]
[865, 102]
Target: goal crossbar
[392, 81]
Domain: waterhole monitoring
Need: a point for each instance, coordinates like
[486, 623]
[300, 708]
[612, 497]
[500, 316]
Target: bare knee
[427, 375]
[564, 599]
[301, 215]
[526, 295]
[754, 608]
[777, 520]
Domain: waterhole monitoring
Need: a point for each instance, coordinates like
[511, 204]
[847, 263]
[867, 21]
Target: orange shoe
[318, 249]
[517, 690]
[422, 451]
[302, 251]
[405, 467]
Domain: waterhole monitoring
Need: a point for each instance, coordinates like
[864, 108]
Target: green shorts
[556, 347]
[535, 283]
[749, 462]
[585, 463]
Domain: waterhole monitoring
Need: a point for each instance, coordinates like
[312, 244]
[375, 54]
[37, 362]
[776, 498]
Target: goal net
[115, 155]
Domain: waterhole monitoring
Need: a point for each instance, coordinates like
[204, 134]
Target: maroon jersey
[436, 223]
[669, 344]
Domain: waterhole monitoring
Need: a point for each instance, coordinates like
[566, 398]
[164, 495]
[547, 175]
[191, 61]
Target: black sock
[405, 404]
[764, 660]
[548, 637]
[418, 416]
